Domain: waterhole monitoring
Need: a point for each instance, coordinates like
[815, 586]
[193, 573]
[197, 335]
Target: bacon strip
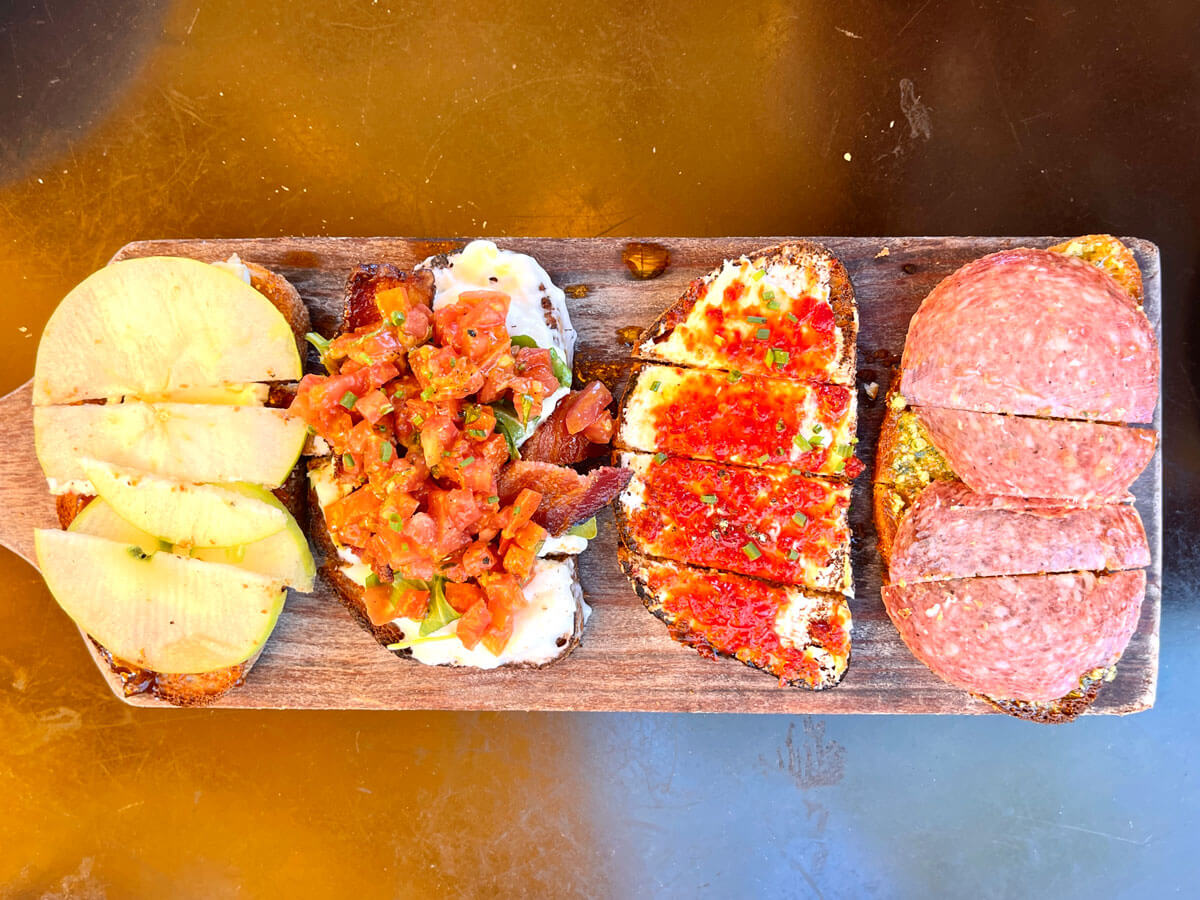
[567, 497]
[368, 280]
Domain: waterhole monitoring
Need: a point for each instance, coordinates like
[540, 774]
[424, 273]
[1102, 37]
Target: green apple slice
[183, 513]
[148, 326]
[161, 612]
[283, 556]
[225, 395]
[186, 441]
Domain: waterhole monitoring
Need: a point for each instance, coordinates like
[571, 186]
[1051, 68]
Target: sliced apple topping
[143, 327]
[156, 610]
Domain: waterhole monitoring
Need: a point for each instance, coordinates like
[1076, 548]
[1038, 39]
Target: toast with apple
[195, 462]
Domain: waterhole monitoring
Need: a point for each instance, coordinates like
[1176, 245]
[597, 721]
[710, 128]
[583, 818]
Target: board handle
[24, 499]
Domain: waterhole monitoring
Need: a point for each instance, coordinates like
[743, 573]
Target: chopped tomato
[411, 604]
[520, 511]
[587, 406]
[518, 561]
[462, 596]
[380, 602]
[473, 623]
[531, 536]
[373, 406]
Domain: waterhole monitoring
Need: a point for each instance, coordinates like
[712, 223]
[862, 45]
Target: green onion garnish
[779, 426]
[477, 433]
[793, 317]
[709, 499]
[397, 318]
[843, 450]
[757, 320]
[654, 387]
[800, 518]
[385, 451]
[660, 458]
[800, 442]
[322, 344]
[793, 554]
[768, 294]
[493, 499]
[466, 462]
[348, 460]
[735, 376]
[762, 459]
[772, 304]
[780, 357]
[427, 394]
[763, 333]
[751, 550]
[395, 522]
[348, 400]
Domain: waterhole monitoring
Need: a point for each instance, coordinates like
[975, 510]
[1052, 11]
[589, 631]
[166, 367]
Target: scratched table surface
[130, 119]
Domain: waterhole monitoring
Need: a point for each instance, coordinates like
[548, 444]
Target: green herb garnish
[440, 612]
[654, 387]
[466, 462]
[385, 451]
[507, 425]
[523, 340]
[751, 550]
[762, 459]
[800, 518]
[709, 499]
[427, 394]
[397, 318]
[660, 458]
[757, 320]
[800, 441]
[561, 370]
[735, 376]
[320, 343]
[348, 460]
[348, 399]
[768, 294]
[780, 357]
[763, 333]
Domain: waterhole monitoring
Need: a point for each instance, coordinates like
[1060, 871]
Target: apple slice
[160, 612]
[183, 513]
[149, 326]
[177, 440]
[283, 556]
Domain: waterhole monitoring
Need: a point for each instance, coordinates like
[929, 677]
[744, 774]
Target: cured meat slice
[761, 522]
[568, 498]
[800, 636]
[1021, 637]
[1032, 332]
[1082, 462]
[953, 532]
[785, 311]
[748, 420]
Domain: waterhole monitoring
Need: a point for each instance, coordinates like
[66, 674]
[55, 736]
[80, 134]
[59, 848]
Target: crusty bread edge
[841, 299]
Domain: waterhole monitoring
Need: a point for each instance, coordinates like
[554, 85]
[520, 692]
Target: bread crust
[796, 253]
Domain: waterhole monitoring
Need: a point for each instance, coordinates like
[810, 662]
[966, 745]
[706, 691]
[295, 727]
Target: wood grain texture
[319, 658]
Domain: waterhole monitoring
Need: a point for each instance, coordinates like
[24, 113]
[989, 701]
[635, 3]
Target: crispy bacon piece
[579, 428]
[567, 497]
[368, 280]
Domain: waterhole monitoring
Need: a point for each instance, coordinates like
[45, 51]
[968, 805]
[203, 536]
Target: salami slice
[953, 532]
[1081, 462]
[1022, 637]
[1032, 332]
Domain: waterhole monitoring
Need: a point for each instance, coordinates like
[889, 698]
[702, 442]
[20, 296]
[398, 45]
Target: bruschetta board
[317, 657]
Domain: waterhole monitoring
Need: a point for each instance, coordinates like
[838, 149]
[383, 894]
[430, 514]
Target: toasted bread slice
[908, 461]
[800, 636]
[557, 599]
[786, 310]
[203, 688]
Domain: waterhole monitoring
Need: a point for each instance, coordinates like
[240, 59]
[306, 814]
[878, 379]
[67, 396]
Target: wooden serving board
[318, 658]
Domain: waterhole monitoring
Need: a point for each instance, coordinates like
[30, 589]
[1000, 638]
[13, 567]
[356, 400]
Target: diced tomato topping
[462, 596]
[473, 623]
[409, 412]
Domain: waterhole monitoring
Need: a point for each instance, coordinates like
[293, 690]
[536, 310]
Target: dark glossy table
[122, 120]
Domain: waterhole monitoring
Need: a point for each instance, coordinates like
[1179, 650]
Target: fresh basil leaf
[508, 425]
[440, 612]
[561, 370]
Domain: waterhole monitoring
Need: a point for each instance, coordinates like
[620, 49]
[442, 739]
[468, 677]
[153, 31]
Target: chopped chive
[751, 550]
[478, 433]
[843, 450]
[493, 499]
[757, 320]
[395, 522]
[840, 467]
[385, 451]
[799, 441]
[779, 426]
[780, 357]
[427, 394]
[772, 304]
[466, 462]
[348, 400]
[816, 440]
[397, 318]
[372, 580]
[470, 414]
[654, 387]
[793, 554]
[758, 274]
[792, 316]
[660, 458]
[348, 460]
[735, 376]
[800, 518]
[817, 428]
[322, 344]
[763, 333]
[768, 294]
[708, 498]
[796, 471]
[762, 459]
